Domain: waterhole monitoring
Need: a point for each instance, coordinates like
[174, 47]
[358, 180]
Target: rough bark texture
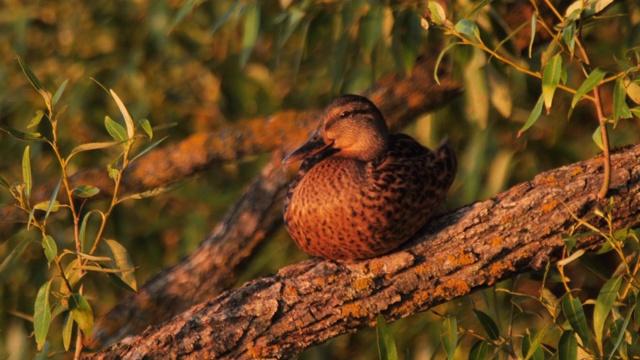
[475, 246]
[215, 265]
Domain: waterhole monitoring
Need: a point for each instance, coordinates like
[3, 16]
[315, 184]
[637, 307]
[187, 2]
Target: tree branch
[472, 247]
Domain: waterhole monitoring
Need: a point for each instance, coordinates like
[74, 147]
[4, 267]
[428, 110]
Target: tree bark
[473, 247]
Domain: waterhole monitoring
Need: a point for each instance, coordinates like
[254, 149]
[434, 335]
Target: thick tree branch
[473, 247]
[215, 265]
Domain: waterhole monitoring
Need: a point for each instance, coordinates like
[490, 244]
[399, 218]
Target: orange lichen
[363, 283]
[577, 170]
[376, 268]
[549, 206]
[462, 258]
[290, 290]
[354, 310]
[497, 241]
[452, 288]
[507, 219]
[549, 180]
[497, 269]
[423, 269]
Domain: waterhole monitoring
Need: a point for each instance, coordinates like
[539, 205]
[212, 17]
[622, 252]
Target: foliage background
[193, 64]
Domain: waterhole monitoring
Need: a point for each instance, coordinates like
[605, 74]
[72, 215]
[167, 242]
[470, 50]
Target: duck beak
[314, 145]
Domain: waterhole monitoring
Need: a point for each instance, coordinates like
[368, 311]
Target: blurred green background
[202, 65]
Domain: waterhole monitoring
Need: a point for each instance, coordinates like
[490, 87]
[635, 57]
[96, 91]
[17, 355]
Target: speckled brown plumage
[360, 192]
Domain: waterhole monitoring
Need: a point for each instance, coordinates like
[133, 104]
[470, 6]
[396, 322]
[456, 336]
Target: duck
[361, 192]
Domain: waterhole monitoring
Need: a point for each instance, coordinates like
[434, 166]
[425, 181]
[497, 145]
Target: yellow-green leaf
[386, 344]
[533, 117]
[620, 107]
[250, 33]
[531, 345]
[33, 79]
[26, 173]
[53, 203]
[22, 135]
[42, 314]
[85, 191]
[123, 263]
[67, 331]
[597, 137]
[604, 302]
[91, 146]
[50, 248]
[591, 82]
[8, 262]
[59, 92]
[48, 205]
[574, 313]
[36, 119]
[117, 131]
[81, 313]
[128, 121]
[449, 335]
[550, 79]
[146, 126]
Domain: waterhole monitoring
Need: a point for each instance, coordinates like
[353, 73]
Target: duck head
[352, 127]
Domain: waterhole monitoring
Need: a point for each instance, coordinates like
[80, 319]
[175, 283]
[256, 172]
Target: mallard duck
[360, 191]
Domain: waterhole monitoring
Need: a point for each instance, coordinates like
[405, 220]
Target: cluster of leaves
[63, 293]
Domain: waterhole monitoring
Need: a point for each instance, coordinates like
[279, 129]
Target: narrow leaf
[449, 335]
[551, 79]
[117, 131]
[440, 57]
[26, 173]
[42, 314]
[4, 183]
[597, 137]
[53, 203]
[223, 19]
[148, 148]
[591, 82]
[569, 37]
[33, 79]
[572, 309]
[479, 351]
[128, 121]
[59, 92]
[488, 325]
[386, 345]
[568, 346]
[146, 126]
[22, 135]
[85, 191]
[91, 146]
[48, 205]
[531, 345]
[533, 117]
[371, 29]
[36, 119]
[534, 22]
[50, 248]
[13, 256]
[250, 34]
[620, 107]
[67, 331]
[81, 313]
[623, 330]
[123, 262]
[604, 302]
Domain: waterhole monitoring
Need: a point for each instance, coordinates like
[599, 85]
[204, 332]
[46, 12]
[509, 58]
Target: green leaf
[113, 171]
[568, 346]
[531, 345]
[50, 248]
[53, 203]
[91, 146]
[488, 325]
[128, 121]
[449, 335]
[182, 13]
[371, 29]
[604, 302]
[251, 29]
[550, 79]
[8, 262]
[572, 309]
[440, 57]
[386, 345]
[223, 19]
[468, 28]
[42, 314]
[620, 107]
[33, 79]
[534, 22]
[146, 126]
[48, 205]
[533, 117]
[117, 131]
[26, 173]
[81, 313]
[85, 191]
[597, 137]
[83, 228]
[4, 183]
[148, 148]
[22, 135]
[72, 274]
[591, 82]
[479, 350]
[59, 92]
[36, 119]
[437, 14]
[623, 330]
[123, 263]
[67, 331]
[569, 37]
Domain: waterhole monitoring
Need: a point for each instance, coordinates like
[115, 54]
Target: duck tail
[447, 155]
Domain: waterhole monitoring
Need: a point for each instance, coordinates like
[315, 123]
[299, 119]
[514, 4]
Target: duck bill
[314, 145]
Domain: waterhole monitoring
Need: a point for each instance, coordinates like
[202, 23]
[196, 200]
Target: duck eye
[315, 137]
[345, 114]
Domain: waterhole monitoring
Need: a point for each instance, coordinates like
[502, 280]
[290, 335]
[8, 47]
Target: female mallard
[361, 192]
